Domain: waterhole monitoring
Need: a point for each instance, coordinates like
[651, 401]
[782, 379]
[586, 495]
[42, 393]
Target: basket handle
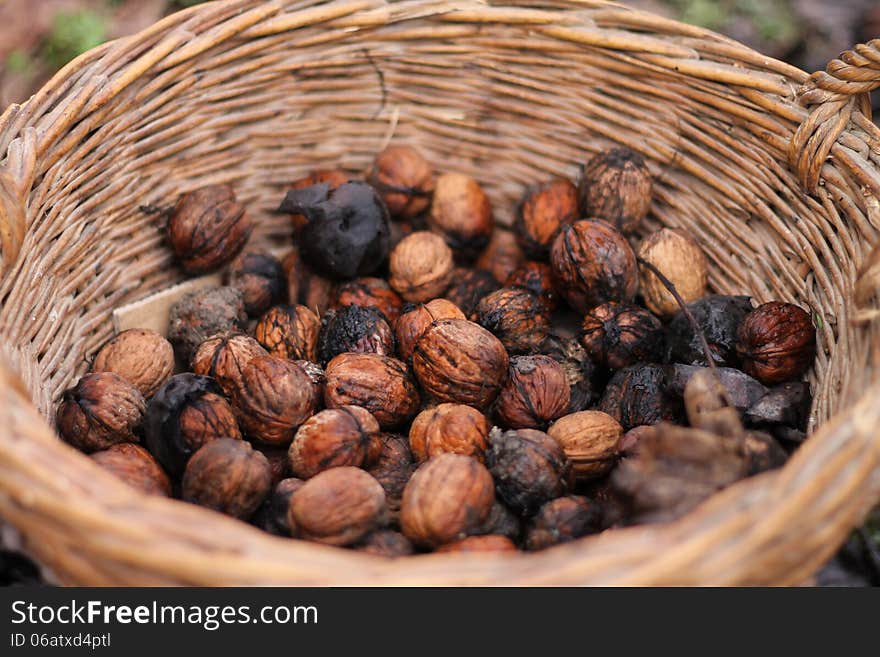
[832, 96]
[16, 180]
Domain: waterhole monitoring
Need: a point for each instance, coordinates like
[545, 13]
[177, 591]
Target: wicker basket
[777, 173]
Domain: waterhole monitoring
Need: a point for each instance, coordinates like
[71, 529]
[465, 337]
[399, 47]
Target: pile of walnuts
[412, 377]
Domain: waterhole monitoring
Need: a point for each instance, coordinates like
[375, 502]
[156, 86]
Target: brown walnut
[617, 335]
[224, 357]
[404, 180]
[421, 267]
[502, 256]
[136, 467]
[461, 213]
[537, 278]
[681, 260]
[616, 186]
[516, 317]
[347, 435]
[289, 332]
[776, 342]
[368, 292]
[544, 209]
[272, 516]
[140, 356]
[416, 319]
[392, 468]
[536, 393]
[454, 428]
[353, 329]
[591, 441]
[261, 280]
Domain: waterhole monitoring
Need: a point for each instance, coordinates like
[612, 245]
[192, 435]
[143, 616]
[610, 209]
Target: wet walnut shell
[529, 467]
[719, 318]
[392, 468]
[404, 180]
[261, 280]
[228, 476]
[102, 409]
[339, 506]
[516, 317]
[386, 543]
[593, 263]
[224, 357]
[374, 293]
[617, 335]
[776, 342]
[580, 371]
[537, 278]
[638, 395]
[136, 467]
[502, 256]
[544, 209]
[275, 397]
[458, 361]
[681, 260]
[379, 384]
[185, 414]
[562, 520]
[483, 543]
[448, 498]
[453, 428]
[352, 329]
[421, 267]
[591, 441]
[140, 356]
[203, 314]
[289, 332]
[416, 319]
[332, 177]
[461, 213]
[208, 228]
[616, 186]
[347, 435]
[536, 393]
[468, 288]
[272, 517]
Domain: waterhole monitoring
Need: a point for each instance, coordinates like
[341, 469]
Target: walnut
[536, 393]
[272, 516]
[136, 467]
[372, 293]
[203, 314]
[416, 319]
[346, 435]
[502, 256]
[392, 468]
[140, 356]
[562, 520]
[353, 329]
[421, 267]
[776, 342]
[260, 278]
[468, 288]
[591, 441]
[289, 332]
[223, 358]
[102, 409]
[617, 335]
[537, 278]
[454, 428]
[516, 317]
[379, 384]
[681, 260]
[461, 213]
[616, 186]
[404, 180]
[448, 498]
[544, 209]
[458, 361]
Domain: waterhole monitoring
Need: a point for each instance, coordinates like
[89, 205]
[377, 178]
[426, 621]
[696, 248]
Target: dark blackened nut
[183, 415]
[272, 517]
[347, 435]
[483, 543]
[203, 314]
[289, 332]
[136, 467]
[339, 506]
[593, 263]
[208, 228]
[462, 214]
[562, 520]
[347, 231]
[261, 280]
[616, 186]
[776, 342]
[448, 498]
[386, 543]
[458, 361]
[516, 317]
[421, 267]
[502, 521]
[224, 357]
[415, 320]
[537, 278]
[353, 329]
[719, 318]
[332, 177]
[536, 393]
[742, 391]
[379, 384]
[392, 468]
[372, 293]
[228, 476]
[502, 256]
[787, 404]
[453, 428]
[404, 180]
[591, 440]
[638, 395]
[580, 371]
[142, 357]
[544, 209]
[99, 411]
[275, 397]
[617, 335]
[529, 468]
[468, 287]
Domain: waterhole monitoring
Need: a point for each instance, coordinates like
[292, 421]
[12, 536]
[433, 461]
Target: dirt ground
[38, 36]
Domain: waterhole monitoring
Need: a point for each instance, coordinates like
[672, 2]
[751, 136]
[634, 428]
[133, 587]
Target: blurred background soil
[37, 37]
